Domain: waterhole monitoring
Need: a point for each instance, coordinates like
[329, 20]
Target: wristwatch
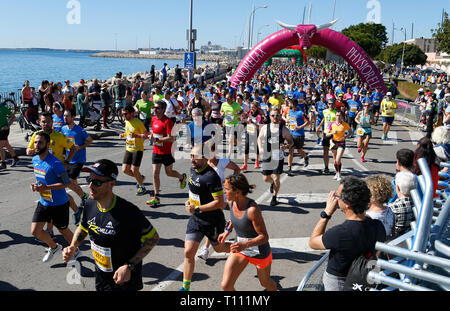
[323, 214]
[131, 266]
[197, 210]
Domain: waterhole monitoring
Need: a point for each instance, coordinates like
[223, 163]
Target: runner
[254, 122]
[135, 134]
[58, 117]
[162, 150]
[120, 235]
[320, 106]
[205, 203]
[229, 111]
[53, 205]
[329, 116]
[388, 107]
[82, 140]
[337, 130]
[354, 106]
[219, 165]
[270, 141]
[376, 98]
[252, 244]
[6, 120]
[365, 120]
[297, 123]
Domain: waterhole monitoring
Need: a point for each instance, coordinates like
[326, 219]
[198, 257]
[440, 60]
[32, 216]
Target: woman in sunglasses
[365, 120]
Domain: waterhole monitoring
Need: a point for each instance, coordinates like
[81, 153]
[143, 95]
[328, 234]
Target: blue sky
[43, 23]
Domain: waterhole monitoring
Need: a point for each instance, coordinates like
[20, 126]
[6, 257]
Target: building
[426, 45]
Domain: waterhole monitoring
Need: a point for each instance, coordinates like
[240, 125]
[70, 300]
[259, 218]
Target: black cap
[103, 167]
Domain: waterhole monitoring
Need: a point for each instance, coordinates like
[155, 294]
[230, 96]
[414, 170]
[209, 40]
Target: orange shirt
[67, 103]
[339, 130]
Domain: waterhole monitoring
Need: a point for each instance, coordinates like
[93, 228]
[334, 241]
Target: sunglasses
[275, 115]
[97, 182]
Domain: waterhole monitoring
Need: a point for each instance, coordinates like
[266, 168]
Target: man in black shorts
[205, 203]
[270, 141]
[53, 206]
[121, 236]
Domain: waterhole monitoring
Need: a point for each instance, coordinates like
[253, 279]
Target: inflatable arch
[305, 36]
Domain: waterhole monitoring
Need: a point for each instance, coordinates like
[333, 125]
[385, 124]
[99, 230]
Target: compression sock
[186, 284]
[339, 166]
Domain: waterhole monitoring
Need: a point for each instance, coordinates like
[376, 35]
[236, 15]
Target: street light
[403, 52]
[257, 35]
[250, 25]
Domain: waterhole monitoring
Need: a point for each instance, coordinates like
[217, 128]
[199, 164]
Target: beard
[41, 151]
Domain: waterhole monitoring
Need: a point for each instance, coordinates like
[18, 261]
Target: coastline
[174, 56]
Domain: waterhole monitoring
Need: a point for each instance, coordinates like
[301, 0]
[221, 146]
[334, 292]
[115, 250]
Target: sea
[17, 66]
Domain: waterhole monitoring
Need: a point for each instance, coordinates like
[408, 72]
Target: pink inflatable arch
[306, 36]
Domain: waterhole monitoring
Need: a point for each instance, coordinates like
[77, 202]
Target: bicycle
[113, 113]
[10, 103]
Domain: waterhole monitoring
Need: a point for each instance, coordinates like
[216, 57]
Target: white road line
[392, 138]
[415, 136]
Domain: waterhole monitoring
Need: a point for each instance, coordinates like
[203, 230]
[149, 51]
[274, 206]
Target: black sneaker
[274, 201]
[306, 161]
[290, 172]
[14, 162]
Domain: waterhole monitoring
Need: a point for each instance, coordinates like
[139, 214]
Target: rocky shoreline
[175, 56]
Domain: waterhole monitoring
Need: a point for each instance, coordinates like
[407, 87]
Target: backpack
[356, 279]
[357, 274]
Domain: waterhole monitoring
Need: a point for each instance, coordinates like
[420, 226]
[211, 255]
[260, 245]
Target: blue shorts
[120, 103]
[388, 120]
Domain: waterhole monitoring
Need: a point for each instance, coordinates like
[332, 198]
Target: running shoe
[153, 201]
[14, 162]
[318, 141]
[3, 166]
[359, 150]
[339, 178]
[326, 171]
[290, 172]
[307, 161]
[257, 164]
[336, 176]
[204, 254]
[182, 289]
[141, 191]
[274, 201]
[363, 160]
[77, 215]
[183, 182]
[50, 253]
[243, 167]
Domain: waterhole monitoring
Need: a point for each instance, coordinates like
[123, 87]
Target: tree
[317, 52]
[442, 35]
[369, 36]
[413, 55]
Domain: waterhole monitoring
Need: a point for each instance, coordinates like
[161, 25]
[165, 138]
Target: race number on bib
[194, 199]
[251, 128]
[102, 257]
[131, 142]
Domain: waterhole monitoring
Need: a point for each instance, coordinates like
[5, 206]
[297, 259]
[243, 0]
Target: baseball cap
[420, 90]
[388, 94]
[103, 167]
[81, 81]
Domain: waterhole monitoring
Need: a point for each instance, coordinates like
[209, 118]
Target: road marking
[311, 197]
[415, 137]
[392, 138]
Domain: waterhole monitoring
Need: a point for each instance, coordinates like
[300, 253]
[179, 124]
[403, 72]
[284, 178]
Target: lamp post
[250, 25]
[403, 52]
[257, 35]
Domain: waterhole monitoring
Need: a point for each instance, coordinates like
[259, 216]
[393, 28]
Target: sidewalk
[17, 136]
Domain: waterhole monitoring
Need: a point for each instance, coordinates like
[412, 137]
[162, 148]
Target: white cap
[420, 90]
[388, 94]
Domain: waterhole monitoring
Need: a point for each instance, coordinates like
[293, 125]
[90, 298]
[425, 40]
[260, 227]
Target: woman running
[252, 243]
[365, 119]
[337, 130]
[254, 122]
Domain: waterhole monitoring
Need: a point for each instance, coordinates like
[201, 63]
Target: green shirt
[4, 113]
[230, 113]
[145, 108]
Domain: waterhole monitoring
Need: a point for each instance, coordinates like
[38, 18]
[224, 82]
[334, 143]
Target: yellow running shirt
[388, 108]
[137, 127]
[58, 142]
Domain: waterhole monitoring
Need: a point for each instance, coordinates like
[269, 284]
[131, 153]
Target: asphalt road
[289, 224]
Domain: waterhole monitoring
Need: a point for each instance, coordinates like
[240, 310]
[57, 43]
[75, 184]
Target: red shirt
[162, 128]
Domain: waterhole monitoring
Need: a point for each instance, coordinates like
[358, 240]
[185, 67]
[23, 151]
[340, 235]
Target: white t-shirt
[386, 217]
[220, 168]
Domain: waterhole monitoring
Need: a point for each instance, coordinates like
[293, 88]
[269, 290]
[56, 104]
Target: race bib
[159, 143]
[292, 123]
[250, 251]
[46, 195]
[194, 199]
[229, 117]
[251, 129]
[131, 142]
[143, 115]
[102, 257]
[353, 109]
[360, 131]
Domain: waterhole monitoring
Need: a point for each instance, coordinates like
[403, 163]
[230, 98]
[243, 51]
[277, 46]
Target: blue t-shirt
[197, 134]
[58, 122]
[78, 136]
[320, 107]
[353, 107]
[296, 118]
[49, 172]
[376, 96]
